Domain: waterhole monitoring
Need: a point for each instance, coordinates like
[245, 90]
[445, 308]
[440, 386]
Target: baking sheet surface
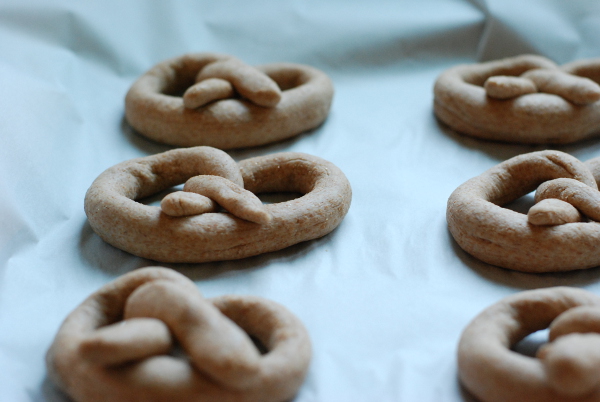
[386, 295]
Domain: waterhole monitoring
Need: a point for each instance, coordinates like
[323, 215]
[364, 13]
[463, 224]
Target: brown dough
[116, 345]
[225, 103]
[149, 232]
[534, 243]
[523, 99]
[566, 370]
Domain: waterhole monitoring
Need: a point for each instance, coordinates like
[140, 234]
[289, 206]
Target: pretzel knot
[191, 225]
[204, 193]
[566, 369]
[119, 344]
[219, 101]
[560, 232]
[526, 99]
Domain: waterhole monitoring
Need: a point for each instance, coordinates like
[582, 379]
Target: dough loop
[524, 99]
[560, 232]
[119, 345]
[217, 100]
[189, 227]
[567, 368]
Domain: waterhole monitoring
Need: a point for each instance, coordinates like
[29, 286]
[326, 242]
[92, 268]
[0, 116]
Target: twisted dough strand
[203, 194]
[116, 345]
[226, 103]
[247, 228]
[525, 99]
[248, 81]
[552, 237]
[565, 370]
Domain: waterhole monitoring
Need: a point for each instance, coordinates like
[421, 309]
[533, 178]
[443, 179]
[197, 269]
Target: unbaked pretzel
[119, 344]
[553, 236]
[566, 370]
[525, 99]
[217, 100]
[176, 233]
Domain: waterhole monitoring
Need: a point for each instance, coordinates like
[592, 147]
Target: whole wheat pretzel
[567, 369]
[217, 100]
[189, 227]
[118, 345]
[525, 99]
[554, 236]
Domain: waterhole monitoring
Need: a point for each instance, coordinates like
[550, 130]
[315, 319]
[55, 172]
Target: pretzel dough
[554, 236]
[118, 345]
[247, 227]
[566, 370]
[217, 100]
[524, 99]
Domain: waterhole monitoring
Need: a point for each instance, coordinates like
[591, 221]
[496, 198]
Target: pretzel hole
[185, 78]
[530, 345]
[259, 345]
[155, 199]
[591, 71]
[522, 204]
[286, 80]
[277, 197]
